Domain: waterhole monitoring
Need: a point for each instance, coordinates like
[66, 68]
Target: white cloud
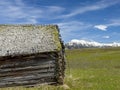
[71, 29]
[71, 26]
[54, 9]
[101, 27]
[112, 23]
[96, 6]
[106, 37]
[13, 11]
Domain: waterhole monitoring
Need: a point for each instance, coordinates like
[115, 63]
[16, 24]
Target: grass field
[88, 69]
[94, 69]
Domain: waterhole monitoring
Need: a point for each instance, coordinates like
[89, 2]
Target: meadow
[88, 69]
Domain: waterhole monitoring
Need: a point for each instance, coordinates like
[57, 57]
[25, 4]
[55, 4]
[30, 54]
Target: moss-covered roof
[28, 39]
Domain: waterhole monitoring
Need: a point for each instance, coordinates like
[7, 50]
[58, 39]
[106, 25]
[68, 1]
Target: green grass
[89, 69]
[94, 69]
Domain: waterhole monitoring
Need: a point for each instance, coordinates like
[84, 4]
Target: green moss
[57, 38]
[2, 27]
[53, 29]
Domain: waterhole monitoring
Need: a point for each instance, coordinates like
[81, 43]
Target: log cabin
[31, 55]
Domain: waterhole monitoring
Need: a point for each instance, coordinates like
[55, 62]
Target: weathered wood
[8, 74]
[28, 69]
[48, 80]
[30, 55]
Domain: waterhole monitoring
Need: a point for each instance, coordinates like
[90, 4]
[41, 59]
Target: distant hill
[89, 44]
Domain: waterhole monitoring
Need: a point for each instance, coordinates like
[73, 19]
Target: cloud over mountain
[87, 44]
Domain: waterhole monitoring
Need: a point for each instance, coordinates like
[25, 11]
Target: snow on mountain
[84, 43]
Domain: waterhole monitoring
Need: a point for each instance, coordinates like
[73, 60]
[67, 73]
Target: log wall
[28, 70]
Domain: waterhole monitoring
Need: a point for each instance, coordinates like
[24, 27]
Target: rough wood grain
[30, 55]
[28, 70]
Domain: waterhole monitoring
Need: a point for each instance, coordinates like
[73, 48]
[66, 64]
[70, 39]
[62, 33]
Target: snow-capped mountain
[83, 43]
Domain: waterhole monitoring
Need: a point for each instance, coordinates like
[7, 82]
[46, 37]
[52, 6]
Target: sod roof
[28, 39]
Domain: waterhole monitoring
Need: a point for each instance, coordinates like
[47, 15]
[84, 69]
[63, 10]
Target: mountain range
[89, 44]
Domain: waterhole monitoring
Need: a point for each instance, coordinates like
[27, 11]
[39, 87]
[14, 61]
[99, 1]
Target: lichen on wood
[31, 55]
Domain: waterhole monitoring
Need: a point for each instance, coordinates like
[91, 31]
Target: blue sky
[94, 20]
